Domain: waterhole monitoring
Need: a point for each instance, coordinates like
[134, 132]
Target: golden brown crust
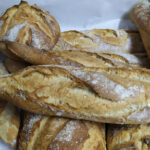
[13, 65]
[100, 40]
[49, 133]
[140, 15]
[7, 52]
[75, 58]
[126, 137]
[9, 118]
[124, 92]
[29, 25]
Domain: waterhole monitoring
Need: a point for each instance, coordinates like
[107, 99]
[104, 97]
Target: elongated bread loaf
[9, 118]
[29, 25]
[140, 15]
[101, 40]
[51, 133]
[113, 95]
[128, 137]
[77, 58]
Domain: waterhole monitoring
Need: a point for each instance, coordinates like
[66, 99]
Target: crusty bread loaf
[140, 15]
[13, 65]
[101, 40]
[128, 137]
[51, 133]
[29, 25]
[49, 90]
[9, 118]
[76, 58]
[137, 60]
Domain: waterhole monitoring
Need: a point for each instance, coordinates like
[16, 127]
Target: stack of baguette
[75, 90]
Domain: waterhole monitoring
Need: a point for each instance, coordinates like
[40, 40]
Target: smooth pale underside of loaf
[86, 93]
[128, 137]
[77, 58]
[101, 40]
[140, 15]
[53, 133]
[29, 25]
[9, 118]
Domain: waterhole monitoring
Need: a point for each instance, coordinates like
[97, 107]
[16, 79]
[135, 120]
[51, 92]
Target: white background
[83, 14]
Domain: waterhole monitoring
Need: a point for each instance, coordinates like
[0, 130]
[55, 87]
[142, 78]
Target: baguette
[101, 40]
[75, 58]
[9, 118]
[111, 95]
[128, 137]
[140, 16]
[51, 133]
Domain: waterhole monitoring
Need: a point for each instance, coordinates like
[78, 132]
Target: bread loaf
[29, 25]
[51, 133]
[76, 58]
[140, 16]
[9, 118]
[101, 40]
[49, 90]
[128, 137]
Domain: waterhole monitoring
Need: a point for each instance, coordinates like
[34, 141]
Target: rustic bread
[50, 89]
[101, 40]
[9, 118]
[51, 133]
[128, 137]
[29, 25]
[140, 15]
[77, 58]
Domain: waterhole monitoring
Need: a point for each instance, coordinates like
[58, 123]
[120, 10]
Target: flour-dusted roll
[9, 118]
[111, 95]
[128, 137]
[140, 15]
[29, 25]
[101, 40]
[53, 133]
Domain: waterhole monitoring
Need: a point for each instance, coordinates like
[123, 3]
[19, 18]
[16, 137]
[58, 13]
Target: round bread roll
[29, 25]
[140, 15]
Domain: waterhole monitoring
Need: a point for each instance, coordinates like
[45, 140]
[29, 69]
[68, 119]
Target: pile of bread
[73, 90]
